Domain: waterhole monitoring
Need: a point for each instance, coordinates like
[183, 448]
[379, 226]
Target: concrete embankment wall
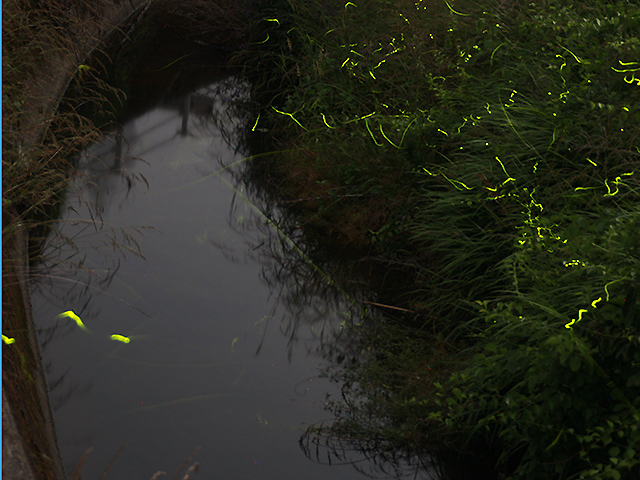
[29, 448]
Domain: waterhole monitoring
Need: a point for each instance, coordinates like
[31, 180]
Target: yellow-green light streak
[120, 338]
[7, 340]
[615, 182]
[606, 287]
[626, 69]
[580, 312]
[509, 177]
[387, 138]
[457, 13]
[572, 54]
[371, 133]
[324, 119]
[361, 118]
[70, 314]
[455, 183]
[290, 115]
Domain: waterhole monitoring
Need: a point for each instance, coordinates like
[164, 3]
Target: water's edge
[29, 447]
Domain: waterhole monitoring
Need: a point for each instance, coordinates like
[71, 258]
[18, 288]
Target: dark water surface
[216, 358]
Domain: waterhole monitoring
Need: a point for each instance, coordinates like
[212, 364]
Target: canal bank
[29, 449]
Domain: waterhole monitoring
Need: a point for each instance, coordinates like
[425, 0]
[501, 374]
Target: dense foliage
[491, 150]
[486, 151]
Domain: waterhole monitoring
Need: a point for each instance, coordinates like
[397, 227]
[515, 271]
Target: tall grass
[490, 151]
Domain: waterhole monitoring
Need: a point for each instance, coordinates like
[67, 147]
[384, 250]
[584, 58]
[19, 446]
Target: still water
[161, 244]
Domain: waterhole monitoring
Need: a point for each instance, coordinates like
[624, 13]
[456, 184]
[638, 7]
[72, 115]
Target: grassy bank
[489, 151]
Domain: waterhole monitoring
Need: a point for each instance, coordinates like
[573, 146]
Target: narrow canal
[174, 315]
[215, 356]
[180, 315]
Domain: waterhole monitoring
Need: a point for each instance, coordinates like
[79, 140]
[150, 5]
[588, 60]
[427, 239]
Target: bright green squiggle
[615, 182]
[509, 177]
[387, 138]
[455, 183]
[7, 340]
[457, 13]
[289, 115]
[572, 54]
[463, 123]
[594, 303]
[606, 288]
[350, 3]
[625, 70]
[380, 63]
[324, 119]
[256, 124]
[120, 338]
[75, 318]
[580, 312]
[632, 79]
[361, 118]
[407, 129]
[574, 263]
[272, 20]
[371, 133]
[564, 64]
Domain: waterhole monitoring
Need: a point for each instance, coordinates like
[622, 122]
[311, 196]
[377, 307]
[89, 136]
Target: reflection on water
[204, 323]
